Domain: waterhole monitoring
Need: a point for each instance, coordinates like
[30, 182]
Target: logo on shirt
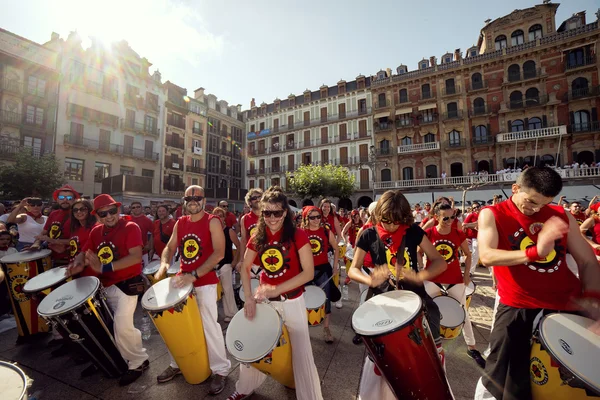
[446, 249]
[274, 260]
[252, 230]
[55, 232]
[74, 243]
[16, 283]
[316, 244]
[191, 248]
[107, 252]
[549, 264]
[392, 258]
[538, 372]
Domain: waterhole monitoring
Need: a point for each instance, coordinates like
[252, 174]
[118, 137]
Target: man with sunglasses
[57, 231]
[469, 227]
[201, 242]
[249, 222]
[230, 218]
[145, 224]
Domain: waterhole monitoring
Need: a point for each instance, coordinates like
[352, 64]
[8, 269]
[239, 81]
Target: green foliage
[30, 176]
[311, 181]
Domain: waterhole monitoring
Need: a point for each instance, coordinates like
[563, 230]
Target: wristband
[107, 267]
[532, 254]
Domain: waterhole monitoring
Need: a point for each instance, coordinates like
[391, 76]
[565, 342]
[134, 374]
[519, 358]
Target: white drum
[395, 308]
[46, 280]
[469, 291]
[13, 382]
[315, 298]
[152, 267]
[363, 296]
[452, 316]
[174, 268]
[254, 284]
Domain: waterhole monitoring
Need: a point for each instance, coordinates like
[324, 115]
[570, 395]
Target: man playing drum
[201, 242]
[526, 240]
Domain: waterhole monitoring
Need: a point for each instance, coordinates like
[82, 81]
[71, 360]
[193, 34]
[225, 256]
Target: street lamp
[372, 164]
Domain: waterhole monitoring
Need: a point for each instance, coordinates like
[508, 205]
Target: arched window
[514, 73]
[406, 141]
[517, 37]
[581, 119]
[403, 96]
[547, 160]
[532, 97]
[517, 126]
[452, 109]
[381, 100]
[481, 135]
[535, 32]
[426, 91]
[454, 138]
[534, 123]
[529, 69]
[500, 42]
[407, 174]
[431, 171]
[512, 163]
[429, 138]
[576, 58]
[516, 99]
[478, 106]
[384, 147]
[579, 88]
[386, 175]
[476, 81]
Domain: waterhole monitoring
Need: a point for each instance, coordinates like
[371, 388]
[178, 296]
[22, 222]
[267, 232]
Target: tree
[476, 182]
[328, 180]
[30, 176]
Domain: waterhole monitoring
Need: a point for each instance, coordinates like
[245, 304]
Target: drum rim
[164, 308]
[272, 347]
[65, 277]
[461, 306]
[149, 264]
[321, 290]
[542, 339]
[241, 292]
[7, 258]
[21, 373]
[74, 306]
[420, 311]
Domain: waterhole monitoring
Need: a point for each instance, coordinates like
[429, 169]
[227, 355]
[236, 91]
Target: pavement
[339, 364]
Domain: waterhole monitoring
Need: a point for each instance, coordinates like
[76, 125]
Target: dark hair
[89, 221]
[323, 201]
[274, 195]
[165, 206]
[441, 207]
[393, 205]
[135, 202]
[543, 180]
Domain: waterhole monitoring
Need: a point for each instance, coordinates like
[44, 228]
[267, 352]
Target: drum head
[452, 313]
[314, 297]
[568, 339]
[162, 295]
[25, 256]
[45, 280]
[13, 382]
[249, 341]
[254, 284]
[386, 312]
[470, 288]
[151, 268]
[363, 295]
[69, 296]
[174, 268]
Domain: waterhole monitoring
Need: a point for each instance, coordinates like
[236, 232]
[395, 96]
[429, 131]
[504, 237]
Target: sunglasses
[313, 217]
[447, 218]
[61, 197]
[81, 209]
[35, 203]
[193, 198]
[387, 221]
[276, 213]
[253, 198]
[103, 214]
[134, 207]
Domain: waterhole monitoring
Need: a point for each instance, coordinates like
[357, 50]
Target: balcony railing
[451, 90]
[486, 109]
[383, 104]
[472, 86]
[99, 90]
[174, 164]
[177, 186]
[455, 143]
[528, 102]
[585, 127]
[418, 147]
[139, 127]
[195, 170]
[383, 152]
[127, 183]
[9, 117]
[108, 147]
[404, 123]
[589, 60]
[9, 150]
[527, 74]
[452, 115]
[12, 85]
[482, 140]
[225, 152]
[532, 134]
[584, 92]
[178, 143]
[197, 131]
[428, 119]
[383, 127]
[178, 123]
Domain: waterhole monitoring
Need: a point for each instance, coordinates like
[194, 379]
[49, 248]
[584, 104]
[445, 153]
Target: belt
[293, 294]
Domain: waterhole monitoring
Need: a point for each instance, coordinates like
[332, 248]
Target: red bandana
[394, 238]
[34, 216]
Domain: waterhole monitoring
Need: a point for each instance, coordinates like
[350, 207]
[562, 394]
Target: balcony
[152, 106]
[10, 118]
[527, 74]
[428, 119]
[383, 152]
[251, 171]
[197, 131]
[176, 122]
[452, 115]
[134, 99]
[383, 127]
[174, 164]
[275, 148]
[528, 102]
[9, 150]
[11, 85]
[451, 90]
[404, 123]
[99, 90]
[176, 142]
[586, 127]
[482, 140]
[173, 186]
[127, 183]
[139, 127]
[583, 93]
[95, 145]
[474, 86]
[532, 134]
[485, 110]
[380, 105]
[418, 147]
[584, 62]
[225, 152]
[195, 170]
[455, 144]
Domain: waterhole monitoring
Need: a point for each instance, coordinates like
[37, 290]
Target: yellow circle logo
[190, 248]
[105, 254]
[272, 259]
[315, 245]
[17, 284]
[527, 242]
[445, 251]
[538, 372]
[391, 260]
[55, 231]
[74, 246]
[252, 230]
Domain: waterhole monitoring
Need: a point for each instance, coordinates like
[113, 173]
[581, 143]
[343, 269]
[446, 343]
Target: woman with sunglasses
[448, 241]
[287, 268]
[82, 222]
[393, 229]
[321, 238]
[29, 219]
[431, 220]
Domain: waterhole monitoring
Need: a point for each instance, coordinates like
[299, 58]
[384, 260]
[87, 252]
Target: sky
[267, 49]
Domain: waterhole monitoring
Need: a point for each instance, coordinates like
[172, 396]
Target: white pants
[127, 337]
[474, 255]
[361, 286]
[372, 386]
[308, 385]
[225, 276]
[481, 393]
[206, 297]
[457, 292]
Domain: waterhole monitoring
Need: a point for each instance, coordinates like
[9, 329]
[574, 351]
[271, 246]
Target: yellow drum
[19, 268]
[175, 313]
[219, 290]
[315, 298]
[263, 342]
[151, 269]
[452, 316]
[469, 292]
[342, 250]
[564, 359]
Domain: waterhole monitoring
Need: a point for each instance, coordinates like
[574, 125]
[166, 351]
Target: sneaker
[238, 396]
[133, 374]
[168, 374]
[357, 340]
[476, 355]
[217, 384]
[339, 304]
[328, 336]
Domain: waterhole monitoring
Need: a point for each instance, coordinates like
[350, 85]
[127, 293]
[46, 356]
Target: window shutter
[544, 121]
[574, 156]
[509, 126]
[595, 117]
[571, 117]
[526, 123]
[491, 166]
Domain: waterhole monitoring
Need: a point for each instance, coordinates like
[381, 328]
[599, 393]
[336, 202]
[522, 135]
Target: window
[581, 119]
[579, 88]
[196, 163]
[196, 128]
[534, 123]
[407, 173]
[532, 96]
[262, 126]
[386, 175]
[130, 117]
[76, 133]
[517, 126]
[476, 81]
[150, 124]
[428, 115]
[481, 135]
[454, 138]
[404, 120]
[77, 72]
[34, 116]
[34, 143]
[529, 70]
[73, 169]
[126, 170]
[478, 106]
[429, 138]
[36, 86]
[516, 99]
[101, 171]
[403, 96]
[500, 42]
[448, 59]
[535, 32]
[514, 73]
[473, 52]
[452, 109]
[148, 173]
[384, 146]
[450, 88]
[406, 141]
[381, 100]
[423, 65]
[152, 101]
[426, 91]
[575, 58]
[517, 37]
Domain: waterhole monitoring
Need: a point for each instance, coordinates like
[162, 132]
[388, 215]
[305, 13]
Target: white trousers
[308, 385]
[373, 386]
[225, 276]
[362, 287]
[127, 337]
[457, 292]
[206, 297]
[474, 255]
[481, 393]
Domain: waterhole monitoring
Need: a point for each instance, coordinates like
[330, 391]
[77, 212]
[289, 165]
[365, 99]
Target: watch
[194, 273]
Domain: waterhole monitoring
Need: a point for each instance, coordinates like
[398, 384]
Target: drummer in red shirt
[162, 229]
[230, 219]
[145, 224]
[575, 208]
[82, 222]
[469, 227]
[114, 252]
[248, 224]
[201, 243]
[592, 224]
[523, 238]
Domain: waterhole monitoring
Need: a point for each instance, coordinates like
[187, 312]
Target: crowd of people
[428, 250]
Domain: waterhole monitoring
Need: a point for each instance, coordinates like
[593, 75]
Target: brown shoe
[328, 336]
[217, 384]
[168, 374]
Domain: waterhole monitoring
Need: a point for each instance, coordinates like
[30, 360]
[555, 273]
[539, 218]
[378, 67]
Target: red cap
[595, 207]
[65, 188]
[104, 200]
[308, 209]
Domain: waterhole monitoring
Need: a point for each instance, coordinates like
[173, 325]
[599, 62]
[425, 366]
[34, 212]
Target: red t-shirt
[112, 244]
[145, 227]
[79, 238]
[329, 222]
[195, 246]
[58, 226]
[368, 261]
[167, 229]
[319, 243]
[230, 219]
[472, 217]
[424, 220]
[579, 217]
[280, 261]
[353, 232]
[249, 224]
[448, 246]
[545, 283]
